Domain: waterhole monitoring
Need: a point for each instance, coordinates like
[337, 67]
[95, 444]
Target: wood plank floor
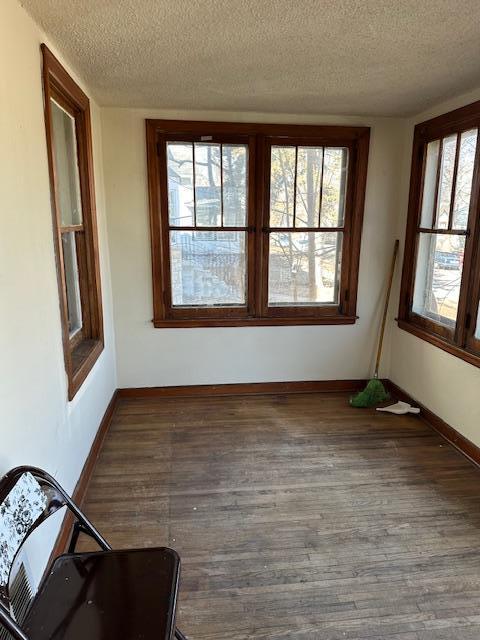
[297, 516]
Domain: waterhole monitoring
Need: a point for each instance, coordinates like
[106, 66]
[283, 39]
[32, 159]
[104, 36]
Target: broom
[375, 392]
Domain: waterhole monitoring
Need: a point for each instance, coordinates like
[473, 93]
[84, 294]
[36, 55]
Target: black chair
[106, 595]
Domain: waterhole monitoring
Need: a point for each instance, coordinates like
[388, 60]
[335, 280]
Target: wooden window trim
[80, 351]
[259, 136]
[461, 341]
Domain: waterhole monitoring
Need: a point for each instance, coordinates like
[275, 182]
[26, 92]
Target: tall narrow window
[439, 299]
[67, 119]
[255, 224]
[207, 208]
[306, 225]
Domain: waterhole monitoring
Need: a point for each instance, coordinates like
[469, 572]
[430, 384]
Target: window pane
[66, 166]
[438, 276]
[208, 268]
[309, 177]
[333, 187]
[180, 183]
[463, 187]
[234, 166]
[446, 182]
[304, 268]
[208, 189]
[74, 306]
[429, 184]
[282, 181]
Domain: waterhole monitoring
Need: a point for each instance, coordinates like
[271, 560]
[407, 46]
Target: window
[67, 121]
[255, 224]
[441, 272]
[207, 224]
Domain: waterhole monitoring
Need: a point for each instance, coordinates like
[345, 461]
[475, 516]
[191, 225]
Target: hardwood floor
[297, 516]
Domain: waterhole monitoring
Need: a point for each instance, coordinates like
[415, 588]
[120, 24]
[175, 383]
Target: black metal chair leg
[179, 635]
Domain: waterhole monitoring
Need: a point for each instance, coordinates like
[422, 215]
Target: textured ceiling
[365, 57]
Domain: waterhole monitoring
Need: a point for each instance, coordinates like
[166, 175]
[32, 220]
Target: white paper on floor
[399, 408]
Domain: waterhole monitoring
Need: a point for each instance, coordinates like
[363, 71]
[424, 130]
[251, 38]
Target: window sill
[251, 322]
[440, 342]
[83, 357]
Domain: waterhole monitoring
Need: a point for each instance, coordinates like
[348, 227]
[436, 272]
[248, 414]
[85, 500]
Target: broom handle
[385, 310]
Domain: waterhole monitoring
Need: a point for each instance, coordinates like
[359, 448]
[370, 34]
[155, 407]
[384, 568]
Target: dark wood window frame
[459, 340]
[258, 137]
[82, 350]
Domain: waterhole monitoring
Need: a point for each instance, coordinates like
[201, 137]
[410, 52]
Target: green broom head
[373, 394]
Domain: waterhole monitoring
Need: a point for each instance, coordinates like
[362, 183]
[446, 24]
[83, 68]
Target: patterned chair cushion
[18, 512]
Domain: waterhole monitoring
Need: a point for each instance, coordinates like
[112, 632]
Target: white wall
[447, 385]
[149, 357]
[37, 423]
